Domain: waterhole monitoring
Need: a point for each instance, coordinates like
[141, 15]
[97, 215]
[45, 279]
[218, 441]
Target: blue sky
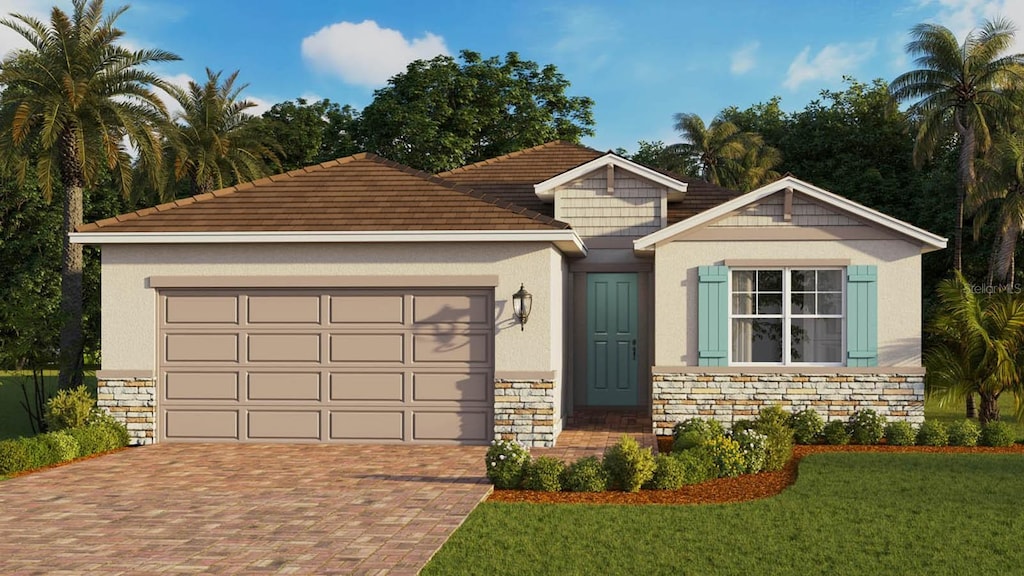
[640, 61]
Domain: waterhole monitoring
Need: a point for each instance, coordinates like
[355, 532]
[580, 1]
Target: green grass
[950, 413]
[13, 419]
[847, 514]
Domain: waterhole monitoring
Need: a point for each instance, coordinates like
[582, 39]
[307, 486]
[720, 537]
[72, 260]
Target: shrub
[506, 461]
[963, 433]
[69, 409]
[724, 456]
[585, 475]
[92, 439]
[61, 446]
[694, 432]
[697, 466]
[932, 433]
[14, 456]
[754, 448]
[807, 426]
[835, 434]
[628, 465]
[997, 433]
[866, 427]
[900, 433]
[778, 446]
[544, 474]
[742, 424]
[669, 473]
[770, 416]
[116, 428]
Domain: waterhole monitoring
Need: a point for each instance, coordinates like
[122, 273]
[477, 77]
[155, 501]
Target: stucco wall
[129, 306]
[899, 290]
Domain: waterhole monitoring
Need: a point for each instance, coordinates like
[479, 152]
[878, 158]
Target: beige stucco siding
[129, 305]
[899, 290]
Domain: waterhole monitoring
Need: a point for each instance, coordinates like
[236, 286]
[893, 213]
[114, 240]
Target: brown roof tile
[359, 193]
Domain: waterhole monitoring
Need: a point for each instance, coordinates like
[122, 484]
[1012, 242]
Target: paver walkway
[225, 509]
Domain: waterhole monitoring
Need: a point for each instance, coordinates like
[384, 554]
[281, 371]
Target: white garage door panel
[309, 365]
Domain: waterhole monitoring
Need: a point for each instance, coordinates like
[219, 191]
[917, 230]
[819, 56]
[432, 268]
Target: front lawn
[13, 419]
[848, 513]
[949, 413]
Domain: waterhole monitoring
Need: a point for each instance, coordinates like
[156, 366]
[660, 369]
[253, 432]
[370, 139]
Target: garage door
[326, 365]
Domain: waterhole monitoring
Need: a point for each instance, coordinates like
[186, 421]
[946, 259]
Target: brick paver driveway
[202, 508]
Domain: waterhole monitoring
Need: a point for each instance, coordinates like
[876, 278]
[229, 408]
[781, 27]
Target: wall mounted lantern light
[522, 303]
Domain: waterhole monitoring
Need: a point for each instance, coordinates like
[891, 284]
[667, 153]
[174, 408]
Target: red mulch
[725, 490]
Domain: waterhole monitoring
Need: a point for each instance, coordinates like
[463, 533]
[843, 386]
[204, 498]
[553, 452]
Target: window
[787, 316]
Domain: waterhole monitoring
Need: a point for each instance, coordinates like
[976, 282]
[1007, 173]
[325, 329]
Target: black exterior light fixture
[522, 303]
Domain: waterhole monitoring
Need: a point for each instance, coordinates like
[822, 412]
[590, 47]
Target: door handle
[634, 348]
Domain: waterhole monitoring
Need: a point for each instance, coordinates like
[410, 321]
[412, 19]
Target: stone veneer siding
[524, 410]
[730, 397]
[133, 402]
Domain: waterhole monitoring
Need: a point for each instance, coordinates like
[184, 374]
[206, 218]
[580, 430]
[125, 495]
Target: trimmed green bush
[866, 427]
[628, 465]
[807, 426]
[69, 409]
[14, 456]
[697, 466]
[585, 475]
[963, 433]
[116, 428]
[778, 445]
[834, 433]
[506, 461]
[753, 447]
[694, 432]
[932, 433]
[997, 433]
[900, 433]
[770, 416]
[669, 473]
[61, 445]
[724, 456]
[544, 474]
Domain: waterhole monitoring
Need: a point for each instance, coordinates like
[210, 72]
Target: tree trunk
[989, 408]
[965, 171]
[72, 339]
[970, 410]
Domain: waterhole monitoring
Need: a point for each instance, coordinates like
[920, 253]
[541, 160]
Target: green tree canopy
[442, 113]
[721, 153]
[304, 133]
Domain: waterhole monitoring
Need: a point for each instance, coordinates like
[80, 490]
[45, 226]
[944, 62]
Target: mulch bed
[726, 490]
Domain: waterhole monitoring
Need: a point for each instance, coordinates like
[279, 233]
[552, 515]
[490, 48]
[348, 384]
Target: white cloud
[366, 54]
[11, 40]
[831, 63]
[179, 80]
[962, 16]
[260, 107]
[743, 60]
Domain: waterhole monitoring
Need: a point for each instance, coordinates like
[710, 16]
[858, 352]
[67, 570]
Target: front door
[611, 339]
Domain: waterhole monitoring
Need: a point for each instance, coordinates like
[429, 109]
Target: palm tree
[980, 347]
[209, 145]
[999, 194]
[70, 102]
[725, 155]
[961, 91]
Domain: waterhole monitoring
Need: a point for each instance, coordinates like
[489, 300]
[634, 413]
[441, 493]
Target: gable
[609, 202]
[771, 211]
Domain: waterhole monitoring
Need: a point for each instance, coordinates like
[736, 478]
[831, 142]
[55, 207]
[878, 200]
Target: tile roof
[359, 193]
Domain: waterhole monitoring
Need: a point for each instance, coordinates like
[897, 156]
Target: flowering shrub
[807, 426]
[628, 465]
[835, 433]
[754, 449]
[585, 475]
[694, 432]
[963, 433]
[506, 461]
[932, 433]
[724, 456]
[900, 433]
[997, 433]
[544, 474]
[866, 427]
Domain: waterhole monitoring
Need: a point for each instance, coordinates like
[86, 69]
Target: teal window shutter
[862, 316]
[713, 316]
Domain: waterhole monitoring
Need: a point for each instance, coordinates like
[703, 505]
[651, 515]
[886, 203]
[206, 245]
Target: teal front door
[611, 339]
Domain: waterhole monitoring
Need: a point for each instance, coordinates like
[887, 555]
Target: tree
[441, 114]
[209, 145]
[959, 91]
[304, 133]
[980, 343]
[69, 103]
[999, 195]
[723, 154]
[659, 155]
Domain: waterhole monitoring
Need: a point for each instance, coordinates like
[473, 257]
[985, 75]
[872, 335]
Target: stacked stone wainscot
[727, 397]
[524, 411]
[133, 402]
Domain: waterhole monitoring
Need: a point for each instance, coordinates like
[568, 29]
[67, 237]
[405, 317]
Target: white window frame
[787, 315]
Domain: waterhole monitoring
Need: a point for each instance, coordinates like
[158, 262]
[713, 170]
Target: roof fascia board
[567, 240]
[546, 189]
[929, 241]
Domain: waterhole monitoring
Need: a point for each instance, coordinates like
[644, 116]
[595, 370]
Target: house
[360, 300]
